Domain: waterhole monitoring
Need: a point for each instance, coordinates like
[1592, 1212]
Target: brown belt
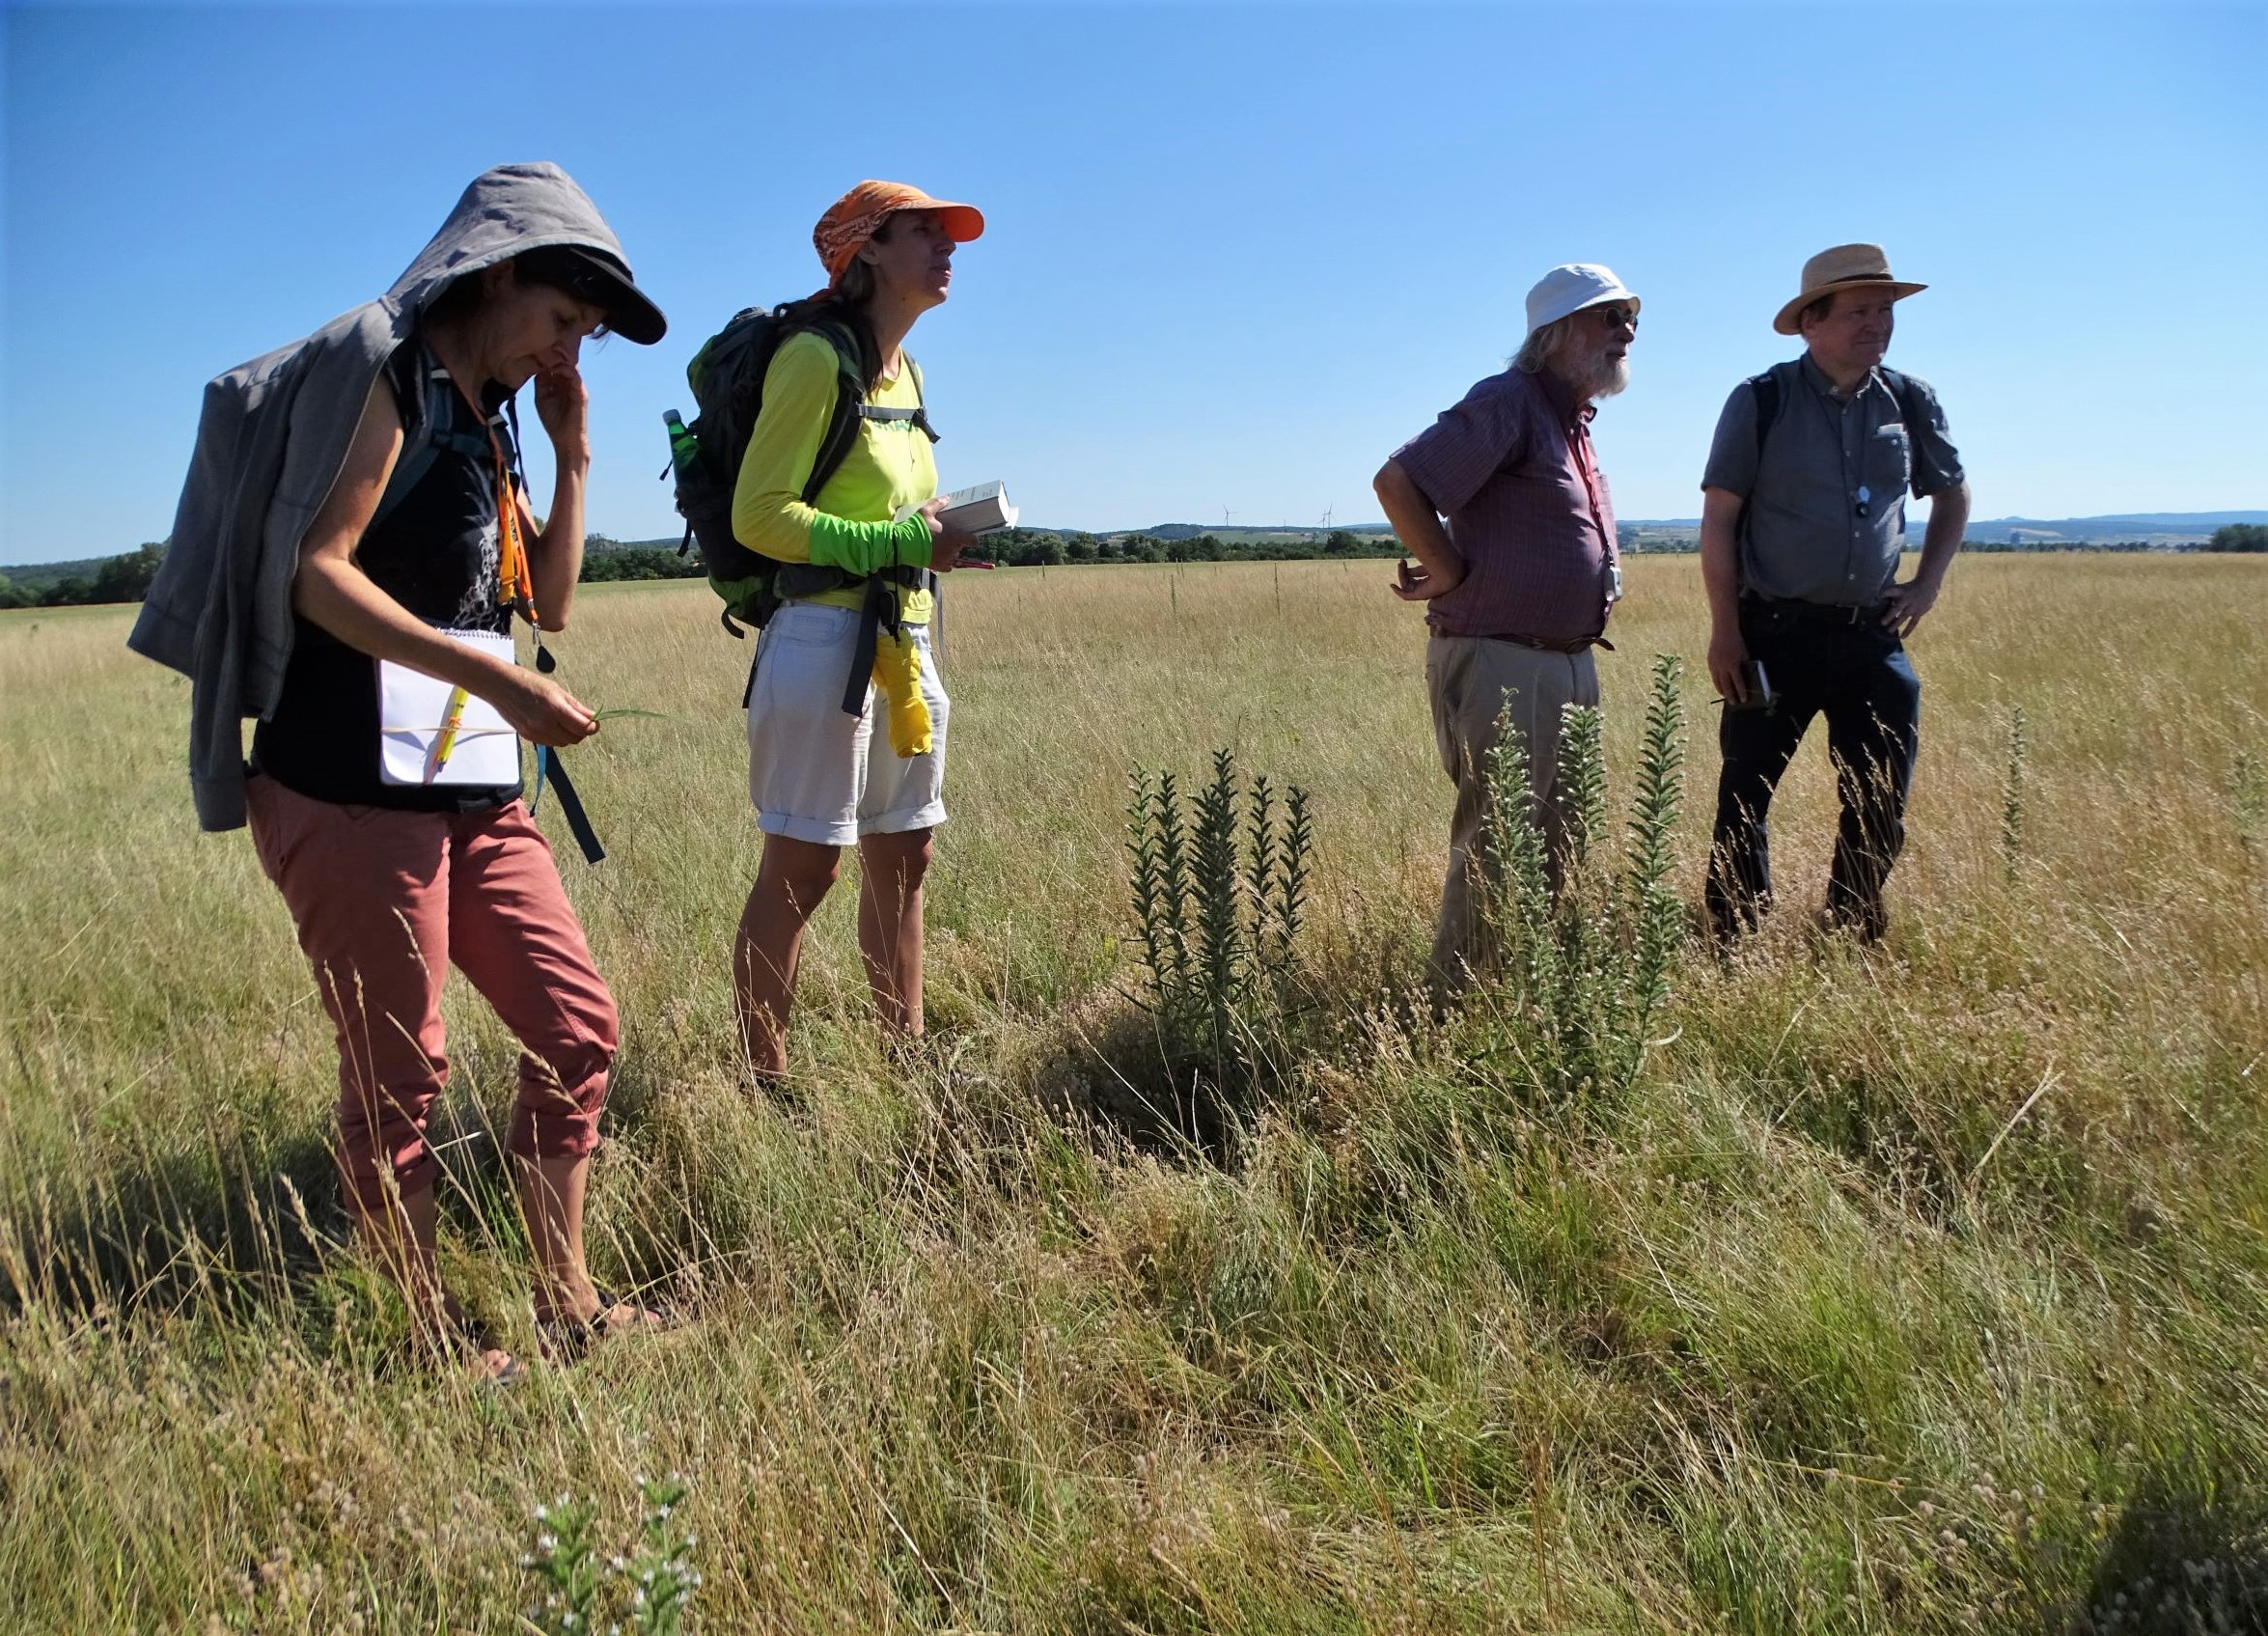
[1550, 645]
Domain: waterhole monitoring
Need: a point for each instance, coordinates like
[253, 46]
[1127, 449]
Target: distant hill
[2130, 525]
[38, 576]
[2166, 526]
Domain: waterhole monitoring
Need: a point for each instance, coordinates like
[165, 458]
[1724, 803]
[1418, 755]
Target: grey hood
[270, 441]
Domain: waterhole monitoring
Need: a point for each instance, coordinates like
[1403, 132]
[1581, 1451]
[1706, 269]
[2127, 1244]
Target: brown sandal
[567, 1339]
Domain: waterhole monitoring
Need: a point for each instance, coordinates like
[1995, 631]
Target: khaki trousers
[1470, 680]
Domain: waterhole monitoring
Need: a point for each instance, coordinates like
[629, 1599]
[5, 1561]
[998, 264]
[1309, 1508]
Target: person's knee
[907, 857]
[800, 871]
[562, 1091]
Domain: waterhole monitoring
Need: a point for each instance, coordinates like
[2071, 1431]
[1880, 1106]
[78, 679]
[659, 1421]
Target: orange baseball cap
[851, 220]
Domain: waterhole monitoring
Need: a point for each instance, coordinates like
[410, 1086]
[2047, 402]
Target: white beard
[1599, 376]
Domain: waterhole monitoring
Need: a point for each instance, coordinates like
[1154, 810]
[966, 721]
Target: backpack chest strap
[919, 414]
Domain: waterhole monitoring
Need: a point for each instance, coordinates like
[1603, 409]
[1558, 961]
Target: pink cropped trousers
[385, 902]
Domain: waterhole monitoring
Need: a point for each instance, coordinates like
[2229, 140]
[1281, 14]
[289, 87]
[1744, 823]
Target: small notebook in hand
[431, 733]
[981, 510]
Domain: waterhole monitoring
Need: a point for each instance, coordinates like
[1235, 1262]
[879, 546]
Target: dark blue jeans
[1859, 677]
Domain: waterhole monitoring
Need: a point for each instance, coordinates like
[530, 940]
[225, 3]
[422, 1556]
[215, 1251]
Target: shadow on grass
[1125, 1075]
[2180, 1560]
[159, 1229]
[252, 1220]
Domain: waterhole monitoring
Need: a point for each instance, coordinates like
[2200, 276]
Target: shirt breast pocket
[1889, 462]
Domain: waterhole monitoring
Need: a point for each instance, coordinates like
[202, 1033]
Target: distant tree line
[126, 577]
[123, 578]
[1024, 547]
[605, 559]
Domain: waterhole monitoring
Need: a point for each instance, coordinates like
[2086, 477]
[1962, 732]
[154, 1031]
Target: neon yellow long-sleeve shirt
[889, 468]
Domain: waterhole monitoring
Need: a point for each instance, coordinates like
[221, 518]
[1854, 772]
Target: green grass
[1916, 1291]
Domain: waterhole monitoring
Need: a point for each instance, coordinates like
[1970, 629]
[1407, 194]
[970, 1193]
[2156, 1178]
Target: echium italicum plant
[1219, 885]
[1586, 969]
[583, 1595]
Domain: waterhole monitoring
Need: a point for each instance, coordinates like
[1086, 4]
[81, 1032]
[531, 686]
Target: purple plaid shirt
[1511, 470]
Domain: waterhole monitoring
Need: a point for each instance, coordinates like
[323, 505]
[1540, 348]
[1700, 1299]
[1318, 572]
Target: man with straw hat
[1803, 517]
[1518, 583]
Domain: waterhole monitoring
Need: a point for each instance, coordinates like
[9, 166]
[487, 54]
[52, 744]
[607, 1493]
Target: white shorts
[810, 770]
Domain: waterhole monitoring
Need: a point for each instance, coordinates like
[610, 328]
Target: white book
[981, 510]
[415, 709]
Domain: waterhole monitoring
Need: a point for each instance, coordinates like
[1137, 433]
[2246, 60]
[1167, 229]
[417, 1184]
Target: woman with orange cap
[859, 553]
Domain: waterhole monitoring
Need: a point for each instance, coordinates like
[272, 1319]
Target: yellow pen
[445, 741]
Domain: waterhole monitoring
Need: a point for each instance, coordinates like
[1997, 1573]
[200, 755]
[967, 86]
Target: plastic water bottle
[684, 446]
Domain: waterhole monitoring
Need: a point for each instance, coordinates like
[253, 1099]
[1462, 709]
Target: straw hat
[1846, 267]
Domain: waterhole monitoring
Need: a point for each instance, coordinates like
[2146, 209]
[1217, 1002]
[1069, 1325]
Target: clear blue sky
[1236, 254]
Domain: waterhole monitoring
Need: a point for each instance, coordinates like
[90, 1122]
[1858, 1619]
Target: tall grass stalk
[2012, 794]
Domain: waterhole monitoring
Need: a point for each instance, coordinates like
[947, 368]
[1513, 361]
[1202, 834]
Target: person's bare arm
[1417, 526]
[331, 590]
[1720, 557]
[555, 556]
[1941, 542]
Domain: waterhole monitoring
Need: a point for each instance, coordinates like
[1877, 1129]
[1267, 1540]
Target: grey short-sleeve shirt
[1826, 513]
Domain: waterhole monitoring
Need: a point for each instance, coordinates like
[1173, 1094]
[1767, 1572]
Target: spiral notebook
[431, 733]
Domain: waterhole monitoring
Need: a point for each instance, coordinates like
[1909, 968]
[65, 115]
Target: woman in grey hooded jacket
[354, 505]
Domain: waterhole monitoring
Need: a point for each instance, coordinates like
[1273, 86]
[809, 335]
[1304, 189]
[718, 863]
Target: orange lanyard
[515, 587]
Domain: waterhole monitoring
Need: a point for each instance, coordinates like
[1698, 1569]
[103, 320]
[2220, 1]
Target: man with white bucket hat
[1519, 579]
[1803, 517]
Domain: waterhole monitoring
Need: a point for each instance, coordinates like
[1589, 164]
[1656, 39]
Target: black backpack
[727, 377]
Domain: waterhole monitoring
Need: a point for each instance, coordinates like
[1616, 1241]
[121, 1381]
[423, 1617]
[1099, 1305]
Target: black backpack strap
[551, 768]
[428, 399]
[919, 414]
[1765, 389]
[1909, 403]
[570, 804]
[843, 421]
[871, 620]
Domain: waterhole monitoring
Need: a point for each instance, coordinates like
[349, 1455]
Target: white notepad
[413, 709]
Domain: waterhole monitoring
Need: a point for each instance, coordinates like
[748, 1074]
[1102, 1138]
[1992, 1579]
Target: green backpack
[727, 377]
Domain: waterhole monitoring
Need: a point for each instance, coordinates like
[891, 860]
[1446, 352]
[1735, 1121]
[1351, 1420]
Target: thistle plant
[566, 1561]
[1219, 887]
[662, 1575]
[1584, 963]
[652, 1588]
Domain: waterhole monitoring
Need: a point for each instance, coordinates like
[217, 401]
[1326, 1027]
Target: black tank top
[435, 553]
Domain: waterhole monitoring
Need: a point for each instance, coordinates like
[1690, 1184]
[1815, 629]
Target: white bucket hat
[1570, 289]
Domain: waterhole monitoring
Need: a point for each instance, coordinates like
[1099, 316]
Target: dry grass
[1921, 1291]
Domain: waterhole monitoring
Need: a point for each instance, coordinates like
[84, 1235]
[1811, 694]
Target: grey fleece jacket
[270, 442]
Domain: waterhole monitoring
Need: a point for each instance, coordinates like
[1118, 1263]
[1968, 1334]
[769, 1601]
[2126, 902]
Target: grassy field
[1914, 1291]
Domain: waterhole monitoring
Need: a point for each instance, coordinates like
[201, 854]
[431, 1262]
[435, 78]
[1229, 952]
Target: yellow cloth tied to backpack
[898, 672]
